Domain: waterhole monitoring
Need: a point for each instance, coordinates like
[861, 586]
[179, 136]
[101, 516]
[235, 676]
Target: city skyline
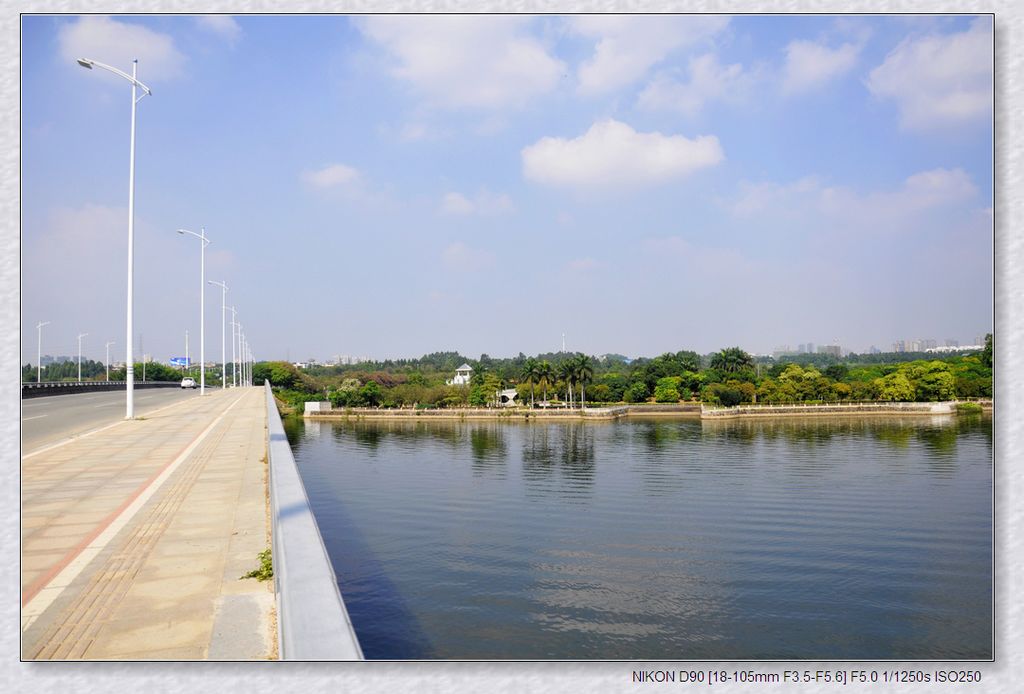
[642, 184]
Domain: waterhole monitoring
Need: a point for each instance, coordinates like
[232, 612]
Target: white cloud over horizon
[222, 25]
[939, 80]
[909, 208]
[810, 64]
[331, 176]
[708, 80]
[117, 43]
[477, 61]
[484, 203]
[627, 46]
[612, 154]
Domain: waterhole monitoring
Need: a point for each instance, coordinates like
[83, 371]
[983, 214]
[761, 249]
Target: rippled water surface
[817, 539]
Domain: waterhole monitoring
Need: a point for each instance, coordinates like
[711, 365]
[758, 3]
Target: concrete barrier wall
[37, 390]
[312, 622]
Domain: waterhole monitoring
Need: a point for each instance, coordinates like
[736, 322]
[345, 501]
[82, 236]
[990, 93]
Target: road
[47, 420]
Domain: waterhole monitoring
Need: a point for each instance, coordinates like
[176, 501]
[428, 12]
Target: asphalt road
[46, 420]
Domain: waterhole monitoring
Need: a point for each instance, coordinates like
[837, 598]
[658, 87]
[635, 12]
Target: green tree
[584, 369]
[667, 389]
[935, 382]
[895, 387]
[637, 392]
[731, 360]
[986, 354]
[530, 374]
[545, 375]
[567, 372]
[689, 361]
[370, 394]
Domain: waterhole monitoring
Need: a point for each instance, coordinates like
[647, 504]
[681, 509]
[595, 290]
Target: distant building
[462, 376]
[874, 350]
[834, 350]
[782, 351]
[952, 343]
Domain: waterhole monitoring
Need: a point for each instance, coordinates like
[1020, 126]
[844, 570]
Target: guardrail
[38, 390]
[312, 622]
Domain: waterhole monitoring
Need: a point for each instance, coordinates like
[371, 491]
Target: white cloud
[223, 25]
[627, 46]
[757, 198]
[484, 203]
[924, 196]
[708, 81]
[454, 61]
[809, 64]
[117, 44]
[924, 191]
[456, 204]
[612, 154]
[459, 256]
[331, 176]
[939, 80]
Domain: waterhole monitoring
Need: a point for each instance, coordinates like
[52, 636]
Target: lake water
[825, 538]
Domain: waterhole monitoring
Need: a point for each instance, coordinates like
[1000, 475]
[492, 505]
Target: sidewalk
[134, 539]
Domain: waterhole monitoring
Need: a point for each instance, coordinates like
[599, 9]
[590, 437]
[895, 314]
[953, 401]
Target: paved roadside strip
[134, 539]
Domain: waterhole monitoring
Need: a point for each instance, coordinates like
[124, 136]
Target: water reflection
[559, 459]
[811, 538]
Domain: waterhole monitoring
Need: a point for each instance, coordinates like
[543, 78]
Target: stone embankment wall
[852, 408]
[323, 410]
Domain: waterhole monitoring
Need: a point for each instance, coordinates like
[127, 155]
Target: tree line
[727, 377]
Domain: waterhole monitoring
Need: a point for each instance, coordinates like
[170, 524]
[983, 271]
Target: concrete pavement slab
[134, 538]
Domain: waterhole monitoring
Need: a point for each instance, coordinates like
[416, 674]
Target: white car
[188, 382]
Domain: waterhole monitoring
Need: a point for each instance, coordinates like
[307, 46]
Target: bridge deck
[134, 539]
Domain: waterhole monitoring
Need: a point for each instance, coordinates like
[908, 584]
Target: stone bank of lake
[827, 538]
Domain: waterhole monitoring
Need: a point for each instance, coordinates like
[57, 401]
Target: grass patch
[968, 408]
[265, 571]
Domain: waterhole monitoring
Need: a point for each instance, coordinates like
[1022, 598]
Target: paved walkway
[134, 539]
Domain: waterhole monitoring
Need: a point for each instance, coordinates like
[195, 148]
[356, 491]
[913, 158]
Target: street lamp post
[39, 352]
[202, 304]
[136, 85]
[223, 351]
[188, 364]
[80, 356]
[234, 371]
[238, 329]
[108, 359]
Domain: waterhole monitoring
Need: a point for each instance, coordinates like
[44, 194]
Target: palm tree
[731, 360]
[584, 367]
[530, 374]
[545, 374]
[567, 371]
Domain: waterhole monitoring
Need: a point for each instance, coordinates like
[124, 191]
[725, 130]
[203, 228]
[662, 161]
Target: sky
[389, 186]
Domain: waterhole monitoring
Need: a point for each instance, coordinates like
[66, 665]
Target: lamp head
[85, 63]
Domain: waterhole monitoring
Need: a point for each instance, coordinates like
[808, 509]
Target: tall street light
[80, 356]
[202, 304]
[223, 351]
[241, 355]
[112, 342]
[234, 371]
[39, 352]
[129, 357]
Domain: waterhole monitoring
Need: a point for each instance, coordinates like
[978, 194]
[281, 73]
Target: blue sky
[390, 186]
